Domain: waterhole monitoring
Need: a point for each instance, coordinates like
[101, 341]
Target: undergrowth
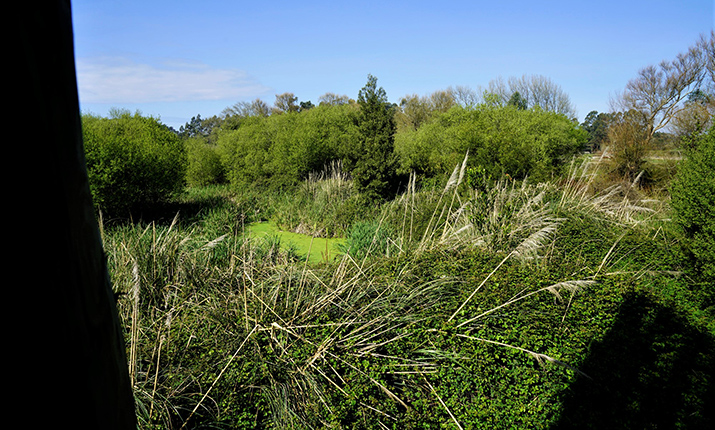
[506, 305]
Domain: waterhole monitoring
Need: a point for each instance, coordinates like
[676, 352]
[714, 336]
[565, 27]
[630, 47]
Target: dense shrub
[508, 140]
[131, 161]
[693, 198]
[229, 331]
[628, 141]
[204, 163]
[279, 151]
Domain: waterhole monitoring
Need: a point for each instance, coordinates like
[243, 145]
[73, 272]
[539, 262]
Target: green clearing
[316, 249]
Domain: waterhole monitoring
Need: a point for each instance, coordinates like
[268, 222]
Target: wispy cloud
[124, 80]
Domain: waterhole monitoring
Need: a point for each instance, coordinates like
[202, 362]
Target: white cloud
[122, 80]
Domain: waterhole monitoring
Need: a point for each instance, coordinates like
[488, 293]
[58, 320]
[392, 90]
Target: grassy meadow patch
[315, 249]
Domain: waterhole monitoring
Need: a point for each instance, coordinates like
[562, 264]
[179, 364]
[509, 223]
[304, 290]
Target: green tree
[596, 125]
[278, 151]
[499, 139]
[628, 141]
[204, 163]
[286, 102]
[517, 101]
[414, 110]
[193, 128]
[304, 106]
[374, 161]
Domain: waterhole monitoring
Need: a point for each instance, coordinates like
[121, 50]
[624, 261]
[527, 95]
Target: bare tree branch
[658, 91]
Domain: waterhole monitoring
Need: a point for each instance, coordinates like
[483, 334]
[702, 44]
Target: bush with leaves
[279, 151]
[693, 198]
[521, 143]
[366, 238]
[132, 161]
[204, 163]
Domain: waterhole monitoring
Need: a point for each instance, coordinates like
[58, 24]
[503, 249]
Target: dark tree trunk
[69, 363]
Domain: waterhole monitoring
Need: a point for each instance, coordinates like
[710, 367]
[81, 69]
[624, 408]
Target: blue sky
[176, 59]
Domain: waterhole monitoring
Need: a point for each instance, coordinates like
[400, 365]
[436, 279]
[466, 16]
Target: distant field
[317, 249]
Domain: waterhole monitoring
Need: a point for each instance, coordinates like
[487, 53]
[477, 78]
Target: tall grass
[324, 205]
[297, 332]
[235, 331]
[622, 202]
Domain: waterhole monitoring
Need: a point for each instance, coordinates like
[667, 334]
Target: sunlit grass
[316, 249]
[228, 320]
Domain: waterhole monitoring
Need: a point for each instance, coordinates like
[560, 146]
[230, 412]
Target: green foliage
[507, 304]
[628, 140]
[132, 161]
[204, 163]
[693, 198]
[521, 143]
[324, 205]
[279, 151]
[365, 239]
[247, 335]
[596, 125]
[517, 101]
[372, 161]
[199, 127]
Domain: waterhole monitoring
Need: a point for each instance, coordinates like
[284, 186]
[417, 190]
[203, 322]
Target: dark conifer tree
[374, 158]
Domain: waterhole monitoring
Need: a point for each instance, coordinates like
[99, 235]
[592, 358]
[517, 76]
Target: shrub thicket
[131, 161]
[693, 198]
[279, 151]
[366, 238]
[204, 163]
[517, 142]
[233, 332]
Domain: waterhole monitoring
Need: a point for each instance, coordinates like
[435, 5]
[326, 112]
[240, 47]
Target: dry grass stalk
[620, 202]
[451, 415]
[223, 370]
[538, 356]
[571, 286]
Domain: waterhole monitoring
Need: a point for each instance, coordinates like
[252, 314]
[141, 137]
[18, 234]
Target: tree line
[524, 127]
[381, 143]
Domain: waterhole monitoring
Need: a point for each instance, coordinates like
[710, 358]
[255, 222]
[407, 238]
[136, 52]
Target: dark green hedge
[693, 198]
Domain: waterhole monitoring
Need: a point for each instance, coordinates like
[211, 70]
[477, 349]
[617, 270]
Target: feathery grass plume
[430, 231]
[505, 218]
[321, 206]
[134, 337]
[365, 315]
[434, 392]
[620, 202]
[440, 221]
[236, 322]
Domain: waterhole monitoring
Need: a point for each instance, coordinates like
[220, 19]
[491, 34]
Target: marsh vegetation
[446, 262]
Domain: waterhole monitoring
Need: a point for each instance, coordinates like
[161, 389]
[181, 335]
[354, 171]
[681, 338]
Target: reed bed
[223, 328]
